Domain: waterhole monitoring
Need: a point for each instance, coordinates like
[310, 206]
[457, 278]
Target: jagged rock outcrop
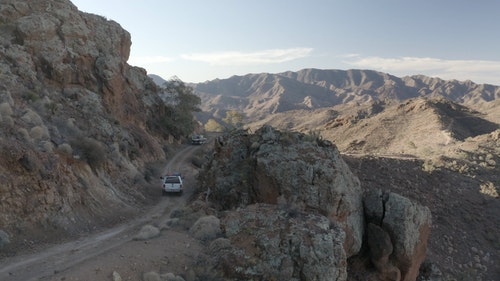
[73, 132]
[397, 234]
[290, 209]
[286, 168]
[269, 242]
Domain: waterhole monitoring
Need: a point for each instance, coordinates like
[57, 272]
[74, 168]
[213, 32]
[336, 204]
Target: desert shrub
[428, 166]
[32, 118]
[488, 188]
[412, 145]
[5, 109]
[153, 170]
[65, 148]
[30, 96]
[7, 121]
[52, 107]
[213, 126]
[313, 136]
[90, 151]
[24, 134]
[47, 146]
[39, 133]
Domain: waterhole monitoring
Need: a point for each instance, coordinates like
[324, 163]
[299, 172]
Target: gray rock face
[67, 95]
[147, 232]
[268, 242]
[206, 228]
[406, 223]
[286, 168]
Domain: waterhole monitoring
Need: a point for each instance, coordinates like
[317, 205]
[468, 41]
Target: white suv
[172, 184]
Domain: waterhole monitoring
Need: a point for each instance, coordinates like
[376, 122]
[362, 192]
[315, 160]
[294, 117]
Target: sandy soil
[97, 256]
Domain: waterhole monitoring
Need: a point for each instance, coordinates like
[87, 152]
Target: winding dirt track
[63, 257]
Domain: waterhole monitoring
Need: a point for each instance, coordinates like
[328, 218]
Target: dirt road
[95, 257]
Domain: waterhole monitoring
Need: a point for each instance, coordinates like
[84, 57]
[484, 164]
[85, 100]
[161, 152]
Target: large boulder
[406, 223]
[269, 242]
[286, 168]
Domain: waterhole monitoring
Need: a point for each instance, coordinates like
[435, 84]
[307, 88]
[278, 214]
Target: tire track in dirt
[62, 257]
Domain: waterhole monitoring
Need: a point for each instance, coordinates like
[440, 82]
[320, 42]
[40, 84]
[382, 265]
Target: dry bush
[39, 133]
[65, 148]
[25, 135]
[47, 146]
[5, 109]
[153, 170]
[90, 151]
[8, 121]
[32, 118]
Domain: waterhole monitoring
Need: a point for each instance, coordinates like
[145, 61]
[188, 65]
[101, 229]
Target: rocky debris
[116, 276]
[147, 232]
[268, 242]
[151, 276]
[171, 277]
[4, 239]
[276, 167]
[154, 276]
[397, 234]
[206, 228]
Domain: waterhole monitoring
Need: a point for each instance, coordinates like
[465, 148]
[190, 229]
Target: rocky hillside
[258, 95]
[420, 127]
[74, 134]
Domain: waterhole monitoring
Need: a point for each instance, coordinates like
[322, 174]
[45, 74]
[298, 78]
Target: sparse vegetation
[31, 96]
[213, 126]
[39, 133]
[175, 116]
[233, 120]
[90, 151]
[65, 148]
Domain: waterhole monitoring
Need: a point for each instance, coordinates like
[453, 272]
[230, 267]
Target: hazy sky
[207, 39]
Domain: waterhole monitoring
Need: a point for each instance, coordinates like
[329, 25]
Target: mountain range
[360, 110]
[258, 95]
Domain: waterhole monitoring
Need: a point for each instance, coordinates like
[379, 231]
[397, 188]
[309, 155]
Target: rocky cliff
[73, 132]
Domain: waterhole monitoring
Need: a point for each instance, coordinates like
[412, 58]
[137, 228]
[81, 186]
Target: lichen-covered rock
[268, 242]
[406, 223]
[206, 228]
[147, 232]
[286, 168]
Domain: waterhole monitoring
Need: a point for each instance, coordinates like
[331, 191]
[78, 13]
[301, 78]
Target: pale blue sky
[199, 40]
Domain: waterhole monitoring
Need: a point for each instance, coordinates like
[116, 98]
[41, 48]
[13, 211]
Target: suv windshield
[172, 180]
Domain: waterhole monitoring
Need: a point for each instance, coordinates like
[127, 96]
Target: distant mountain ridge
[258, 95]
